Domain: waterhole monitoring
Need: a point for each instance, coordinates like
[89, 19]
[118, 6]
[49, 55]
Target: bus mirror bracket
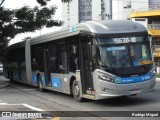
[94, 52]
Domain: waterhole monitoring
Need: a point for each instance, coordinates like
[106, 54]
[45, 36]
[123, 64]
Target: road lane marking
[32, 107]
[56, 118]
[3, 103]
[26, 105]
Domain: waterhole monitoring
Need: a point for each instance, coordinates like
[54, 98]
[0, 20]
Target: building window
[82, 21]
[82, 14]
[88, 6]
[88, 13]
[140, 19]
[82, 6]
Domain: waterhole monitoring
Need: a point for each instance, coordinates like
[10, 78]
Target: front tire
[40, 86]
[76, 91]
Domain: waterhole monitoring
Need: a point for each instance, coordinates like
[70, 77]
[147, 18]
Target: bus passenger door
[86, 67]
[47, 70]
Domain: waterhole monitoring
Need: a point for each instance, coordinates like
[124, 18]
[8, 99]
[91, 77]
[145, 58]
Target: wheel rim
[76, 90]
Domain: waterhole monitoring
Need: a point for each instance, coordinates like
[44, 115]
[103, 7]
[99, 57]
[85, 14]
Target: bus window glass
[140, 54]
[136, 52]
[54, 64]
[73, 57]
[39, 53]
[114, 56]
[63, 58]
[33, 58]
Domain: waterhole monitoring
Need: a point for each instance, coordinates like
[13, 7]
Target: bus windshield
[123, 52]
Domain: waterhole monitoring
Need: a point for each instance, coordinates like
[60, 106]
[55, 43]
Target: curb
[4, 84]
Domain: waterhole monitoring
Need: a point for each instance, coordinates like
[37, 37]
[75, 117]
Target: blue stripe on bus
[56, 82]
[127, 80]
[43, 81]
[34, 79]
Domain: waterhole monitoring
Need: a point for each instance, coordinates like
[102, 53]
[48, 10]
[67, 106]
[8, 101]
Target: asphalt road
[19, 97]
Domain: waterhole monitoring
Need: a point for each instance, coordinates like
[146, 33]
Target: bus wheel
[40, 84]
[76, 91]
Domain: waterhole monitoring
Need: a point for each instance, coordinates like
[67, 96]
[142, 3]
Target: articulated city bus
[93, 60]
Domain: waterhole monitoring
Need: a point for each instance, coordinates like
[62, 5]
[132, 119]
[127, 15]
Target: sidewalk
[157, 79]
[3, 82]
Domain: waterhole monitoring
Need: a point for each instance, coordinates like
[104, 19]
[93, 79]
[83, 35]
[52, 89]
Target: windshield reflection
[113, 56]
[123, 55]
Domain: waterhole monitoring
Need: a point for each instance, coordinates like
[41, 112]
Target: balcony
[154, 29]
[151, 10]
[154, 7]
[154, 26]
[156, 50]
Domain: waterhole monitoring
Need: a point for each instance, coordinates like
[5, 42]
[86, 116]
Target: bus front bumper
[109, 90]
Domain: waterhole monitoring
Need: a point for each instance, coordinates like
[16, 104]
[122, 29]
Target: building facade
[121, 9]
[86, 10]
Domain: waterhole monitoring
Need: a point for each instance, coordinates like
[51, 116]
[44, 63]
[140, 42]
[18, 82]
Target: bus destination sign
[124, 40]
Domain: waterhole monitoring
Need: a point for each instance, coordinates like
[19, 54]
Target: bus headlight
[152, 74]
[106, 78]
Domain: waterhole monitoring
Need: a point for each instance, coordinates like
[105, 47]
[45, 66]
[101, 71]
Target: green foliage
[25, 19]
[66, 1]
[44, 2]
[31, 19]
[157, 75]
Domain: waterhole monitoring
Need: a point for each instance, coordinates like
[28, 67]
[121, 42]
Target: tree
[25, 19]
[44, 2]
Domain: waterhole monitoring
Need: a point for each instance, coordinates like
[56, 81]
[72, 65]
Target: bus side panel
[34, 78]
[61, 82]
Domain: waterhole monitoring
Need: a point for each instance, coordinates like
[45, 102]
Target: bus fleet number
[124, 40]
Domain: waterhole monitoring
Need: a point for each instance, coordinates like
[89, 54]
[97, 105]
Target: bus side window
[63, 58]
[33, 58]
[39, 54]
[54, 61]
[72, 57]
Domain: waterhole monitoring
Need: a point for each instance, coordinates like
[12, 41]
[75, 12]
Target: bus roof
[93, 28]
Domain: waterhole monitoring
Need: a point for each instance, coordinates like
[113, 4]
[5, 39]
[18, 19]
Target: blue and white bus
[93, 60]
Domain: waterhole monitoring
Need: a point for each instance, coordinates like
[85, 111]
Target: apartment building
[86, 10]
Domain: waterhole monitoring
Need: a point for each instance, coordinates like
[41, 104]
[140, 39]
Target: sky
[14, 4]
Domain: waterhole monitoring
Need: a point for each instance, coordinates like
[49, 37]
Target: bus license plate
[135, 91]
